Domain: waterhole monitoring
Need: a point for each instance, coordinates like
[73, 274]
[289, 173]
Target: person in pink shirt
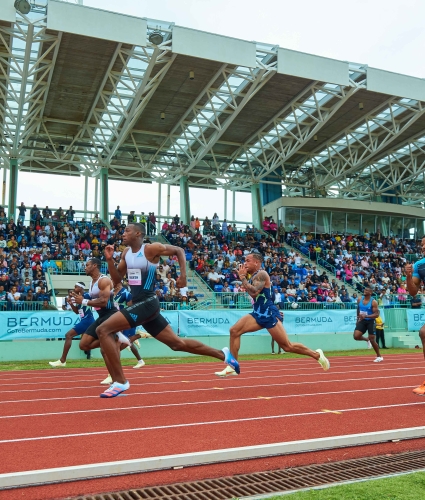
[266, 225]
[273, 228]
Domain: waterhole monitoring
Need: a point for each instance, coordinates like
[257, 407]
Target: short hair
[139, 227]
[257, 256]
[96, 261]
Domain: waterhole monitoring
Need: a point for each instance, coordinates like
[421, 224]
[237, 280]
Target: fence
[21, 305]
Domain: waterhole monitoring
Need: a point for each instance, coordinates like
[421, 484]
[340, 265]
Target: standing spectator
[380, 335]
[281, 233]
[22, 209]
[117, 213]
[131, 217]
[273, 228]
[70, 215]
[34, 212]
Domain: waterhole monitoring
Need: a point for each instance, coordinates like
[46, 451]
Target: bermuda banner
[36, 324]
[218, 322]
[208, 322]
[415, 319]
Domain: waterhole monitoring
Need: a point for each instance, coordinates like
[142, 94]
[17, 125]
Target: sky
[382, 34]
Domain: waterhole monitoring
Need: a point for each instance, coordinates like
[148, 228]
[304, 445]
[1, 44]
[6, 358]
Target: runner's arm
[117, 273]
[258, 283]
[413, 282]
[154, 251]
[105, 287]
[375, 311]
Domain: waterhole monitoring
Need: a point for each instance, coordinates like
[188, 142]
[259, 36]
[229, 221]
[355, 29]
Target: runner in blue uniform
[86, 319]
[367, 312]
[415, 275]
[265, 314]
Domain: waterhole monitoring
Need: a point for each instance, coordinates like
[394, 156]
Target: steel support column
[159, 198]
[225, 204]
[184, 200]
[3, 194]
[233, 205]
[86, 185]
[96, 192]
[13, 188]
[104, 200]
[168, 199]
[256, 205]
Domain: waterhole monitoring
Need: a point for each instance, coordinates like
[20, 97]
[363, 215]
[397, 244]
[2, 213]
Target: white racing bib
[134, 276]
[81, 313]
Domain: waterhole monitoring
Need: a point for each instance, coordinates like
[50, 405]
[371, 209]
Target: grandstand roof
[82, 88]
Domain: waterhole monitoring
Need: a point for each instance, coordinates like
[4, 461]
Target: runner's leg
[372, 340]
[279, 334]
[244, 325]
[169, 338]
[88, 342]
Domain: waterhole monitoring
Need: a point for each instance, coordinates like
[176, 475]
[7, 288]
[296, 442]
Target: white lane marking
[143, 374]
[196, 424]
[281, 362]
[374, 369]
[194, 403]
[338, 381]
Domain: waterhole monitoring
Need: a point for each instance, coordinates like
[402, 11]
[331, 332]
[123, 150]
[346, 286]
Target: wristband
[85, 302]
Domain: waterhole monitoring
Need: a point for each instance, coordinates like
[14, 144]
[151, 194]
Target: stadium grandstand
[332, 155]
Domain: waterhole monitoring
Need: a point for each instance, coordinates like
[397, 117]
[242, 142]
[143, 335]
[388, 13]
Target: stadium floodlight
[22, 6]
[156, 38]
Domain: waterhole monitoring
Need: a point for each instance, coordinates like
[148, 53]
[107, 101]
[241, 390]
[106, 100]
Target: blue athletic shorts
[267, 318]
[130, 332]
[82, 326]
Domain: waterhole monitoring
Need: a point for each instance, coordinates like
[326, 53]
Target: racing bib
[134, 276]
[81, 313]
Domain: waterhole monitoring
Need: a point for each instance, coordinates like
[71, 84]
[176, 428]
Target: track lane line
[194, 403]
[337, 381]
[198, 424]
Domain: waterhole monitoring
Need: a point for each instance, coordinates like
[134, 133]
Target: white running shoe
[122, 339]
[57, 363]
[128, 348]
[378, 359]
[369, 345]
[107, 381]
[323, 360]
[227, 371]
[139, 364]
[137, 343]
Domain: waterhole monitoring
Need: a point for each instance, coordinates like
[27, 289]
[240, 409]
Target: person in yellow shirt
[380, 336]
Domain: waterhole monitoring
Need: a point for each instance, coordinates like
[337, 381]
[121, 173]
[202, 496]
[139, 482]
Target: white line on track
[142, 374]
[195, 403]
[198, 424]
[11, 401]
[210, 378]
[292, 363]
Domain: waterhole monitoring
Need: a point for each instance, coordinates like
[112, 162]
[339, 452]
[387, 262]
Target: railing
[73, 267]
[53, 293]
[23, 305]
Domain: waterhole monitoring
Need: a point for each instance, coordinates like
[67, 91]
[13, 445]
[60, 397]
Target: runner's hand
[78, 299]
[408, 269]
[241, 271]
[181, 282]
[109, 252]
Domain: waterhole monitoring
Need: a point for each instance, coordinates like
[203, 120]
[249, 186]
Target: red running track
[55, 418]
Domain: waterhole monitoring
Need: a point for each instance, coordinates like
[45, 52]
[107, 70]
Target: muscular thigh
[279, 334]
[246, 324]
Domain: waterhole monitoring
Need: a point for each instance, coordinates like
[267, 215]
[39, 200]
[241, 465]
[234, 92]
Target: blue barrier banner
[208, 322]
[415, 319]
[36, 324]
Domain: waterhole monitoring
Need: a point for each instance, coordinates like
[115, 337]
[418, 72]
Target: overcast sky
[383, 34]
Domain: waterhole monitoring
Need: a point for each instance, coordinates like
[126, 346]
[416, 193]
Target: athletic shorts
[83, 325]
[101, 319]
[147, 312]
[129, 333]
[365, 325]
[269, 321]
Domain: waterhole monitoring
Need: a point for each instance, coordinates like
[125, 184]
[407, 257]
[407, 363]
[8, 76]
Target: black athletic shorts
[366, 325]
[91, 330]
[147, 313]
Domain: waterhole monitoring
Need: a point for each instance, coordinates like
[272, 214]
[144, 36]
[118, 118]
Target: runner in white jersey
[139, 263]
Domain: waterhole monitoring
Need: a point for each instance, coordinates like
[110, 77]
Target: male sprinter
[86, 319]
[367, 312]
[100, 293]
[122, 298]
[415, 274]
[264, 315]
[140, 261]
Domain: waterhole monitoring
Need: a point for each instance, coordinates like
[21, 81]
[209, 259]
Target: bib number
[134, 276]
[117, 305]
[81, 313]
